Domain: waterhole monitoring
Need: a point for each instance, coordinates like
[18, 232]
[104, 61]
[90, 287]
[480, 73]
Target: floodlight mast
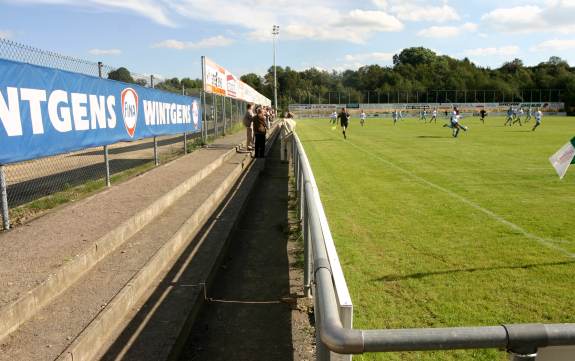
[275, 33]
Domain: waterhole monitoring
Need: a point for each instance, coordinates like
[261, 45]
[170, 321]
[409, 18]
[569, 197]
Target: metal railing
[333, 308]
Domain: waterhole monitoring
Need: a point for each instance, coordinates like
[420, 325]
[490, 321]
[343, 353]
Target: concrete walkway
[250, 315]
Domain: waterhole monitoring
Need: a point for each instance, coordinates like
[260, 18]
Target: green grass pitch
[436, 231]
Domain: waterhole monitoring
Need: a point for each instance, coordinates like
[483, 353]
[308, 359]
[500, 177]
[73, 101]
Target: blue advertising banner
[45, 111]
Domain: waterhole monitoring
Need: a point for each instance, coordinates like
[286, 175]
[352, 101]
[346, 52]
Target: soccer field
[438, 231]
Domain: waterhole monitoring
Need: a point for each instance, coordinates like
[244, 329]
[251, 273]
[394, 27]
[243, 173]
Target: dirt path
[257, 312]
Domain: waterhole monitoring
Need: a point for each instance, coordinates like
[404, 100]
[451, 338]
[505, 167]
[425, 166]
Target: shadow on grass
[418, 275]
[320, 140]
[432, 137]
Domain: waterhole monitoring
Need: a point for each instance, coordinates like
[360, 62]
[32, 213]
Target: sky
[168, 37]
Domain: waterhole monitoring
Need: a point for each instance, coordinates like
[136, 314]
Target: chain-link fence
[34, 185]
[401, 96]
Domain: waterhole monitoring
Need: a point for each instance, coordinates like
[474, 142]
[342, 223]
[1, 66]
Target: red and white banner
[219, 80]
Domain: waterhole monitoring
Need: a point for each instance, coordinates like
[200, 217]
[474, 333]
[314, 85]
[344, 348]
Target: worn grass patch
[435, 231]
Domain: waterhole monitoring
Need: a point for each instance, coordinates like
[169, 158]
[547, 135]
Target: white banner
[219, 80]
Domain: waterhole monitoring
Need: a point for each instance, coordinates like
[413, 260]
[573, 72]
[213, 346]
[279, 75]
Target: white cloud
[299, 19]
[212, 42]
[6, 34]
[503, 51]
[382, 4]
[369, 57]
[548, 16]
[446, 31]
[554, 45]
[371, 20]
[147, 8]
[105, 51]
[415, 11]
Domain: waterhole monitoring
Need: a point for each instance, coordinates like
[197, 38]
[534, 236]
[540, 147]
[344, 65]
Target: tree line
[416, 74]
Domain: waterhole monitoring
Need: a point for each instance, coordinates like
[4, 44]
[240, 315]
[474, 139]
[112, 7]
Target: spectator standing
[248, 120]
[286, 138]
[260, 130]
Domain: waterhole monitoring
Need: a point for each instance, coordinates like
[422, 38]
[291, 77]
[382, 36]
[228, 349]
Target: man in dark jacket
[260, 129]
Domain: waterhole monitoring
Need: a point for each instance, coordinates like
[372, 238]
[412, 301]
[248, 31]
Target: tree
[414, 56]
[557, 61]
[253, 80]
[512, 66]
[121, 74]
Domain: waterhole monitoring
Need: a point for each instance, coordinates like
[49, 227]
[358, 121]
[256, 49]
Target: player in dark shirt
[343, 117]
[482, 115]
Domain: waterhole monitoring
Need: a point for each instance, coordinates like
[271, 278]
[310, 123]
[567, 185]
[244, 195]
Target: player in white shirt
[518, 114]
[433, 116]
[455, 125]
[509, 119]
[424, 115]
[362, 117]
[529, 115]
[333, 117]
[538, 116]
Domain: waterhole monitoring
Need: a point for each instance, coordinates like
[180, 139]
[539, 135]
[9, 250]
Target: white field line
[545, 242]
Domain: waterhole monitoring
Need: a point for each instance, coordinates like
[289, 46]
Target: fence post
[106, 155]
[215, 110]
[107, 162]
[224, 115]
[185, 133]
[156, 158]
[4, 202]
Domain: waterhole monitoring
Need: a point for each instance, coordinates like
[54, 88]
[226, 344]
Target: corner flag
[563, 158]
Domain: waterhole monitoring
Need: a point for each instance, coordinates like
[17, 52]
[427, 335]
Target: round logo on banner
[195, 113]
[130, 110]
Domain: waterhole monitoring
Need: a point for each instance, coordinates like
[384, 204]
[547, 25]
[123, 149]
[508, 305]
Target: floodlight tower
[275, 33]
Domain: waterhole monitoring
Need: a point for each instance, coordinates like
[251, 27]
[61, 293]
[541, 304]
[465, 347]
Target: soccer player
[424, 115]
[344, 121]
[529, 115]
[509, 117]
[482, 115]
[538, 116]
[333, 117]
[455, 123]
[394, 115]
[433, 116]
[362, 117]
[518, 114]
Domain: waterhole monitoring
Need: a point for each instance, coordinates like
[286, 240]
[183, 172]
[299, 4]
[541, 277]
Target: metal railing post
[185, 143]
[106, 155]
[215, 110]
[185, 133]
[224, 115]
[204, 117]
[321, 351]
[107, 162]
[4, 200]
[306, 252]
[156, 156]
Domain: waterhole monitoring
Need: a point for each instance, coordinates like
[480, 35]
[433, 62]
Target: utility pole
[275, 33]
